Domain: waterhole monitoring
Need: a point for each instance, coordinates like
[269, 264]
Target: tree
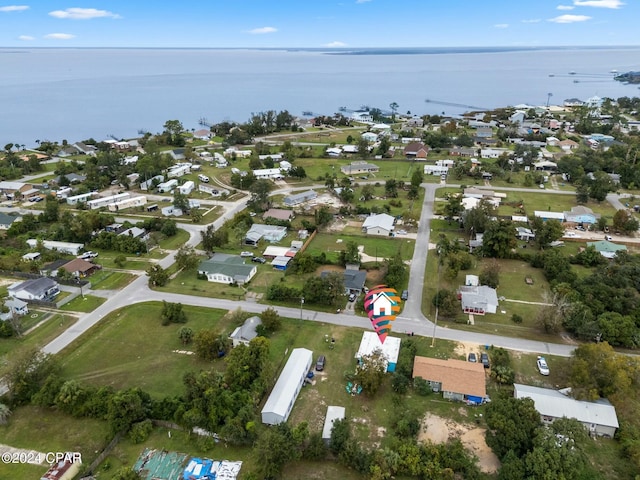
[582, 193]
[475, 220]
[447, 303]
[340, 434]
[512, 425]
[185, 334]
[323, 216]
[453, 207]
[499, 239]
[367, 192]
[600, 186]
[551, 316]
[212, 238]
[417, 177]
[274, 448]
[624, 222]
[187, 258]
[391, 188]
[5, 413]
[350, 254]
[127, 407]
[51, 210]
[260, 195]
[158, 276]
[172, 313]
[271, 320]
[210, 344]
[371, 371]
[180, 201]
[120, 261]
[363, 147]
[546, 231]
[396, 272]
[490, 274]
[126, 473]
[196, 215]
[26, 373]
[174, 128]
[394, 108]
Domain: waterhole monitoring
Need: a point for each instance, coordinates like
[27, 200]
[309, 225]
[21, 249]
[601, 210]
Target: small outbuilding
[283, 396]
[333, 413]
[245, 332]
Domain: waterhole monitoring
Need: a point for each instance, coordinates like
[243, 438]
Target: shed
[333, 413]
[598, 417]
[280, 403]
[280, 262]
[245, 332]
[390, 348]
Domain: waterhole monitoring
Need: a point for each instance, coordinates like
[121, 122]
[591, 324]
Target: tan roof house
[456, 379]
[79, 267]
[568, 145]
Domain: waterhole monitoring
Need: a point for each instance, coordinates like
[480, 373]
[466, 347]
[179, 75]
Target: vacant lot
[381, 247]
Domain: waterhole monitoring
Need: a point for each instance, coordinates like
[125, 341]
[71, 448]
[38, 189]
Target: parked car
[87, 255]
[36, 199]
[246, 254]
[543, 368]
[405, 295]
[484, 359]
[320, 363]
[259, 260]
[472, 358]
[352, 297]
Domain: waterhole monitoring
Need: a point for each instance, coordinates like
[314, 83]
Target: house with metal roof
[356, 168]
[353, 280]
[456, 379]
[280, 262]
[16, 307]
[606, 248]
[478, 300]
[333, 413]
[245, 332]
[63, 247]
[599, 417]
[283, 396]
[298, 198]
[390, 348]
[6, 220]
[278, 214]
[549, 215]
[581, 214]
[380, 224]
[42, 288]
[225, 268]
[270, 233]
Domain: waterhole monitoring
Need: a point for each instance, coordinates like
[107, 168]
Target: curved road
[411, 319]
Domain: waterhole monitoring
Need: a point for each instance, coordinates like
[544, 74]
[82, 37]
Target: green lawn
[109, 280]
[46, 430]
[381, 247]
[83, 303]
[175, 242]
[131, 348]
[52, 326]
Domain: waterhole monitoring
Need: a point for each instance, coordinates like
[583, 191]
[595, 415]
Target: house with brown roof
[456, 379]
[568, 145]
[416, 150]
[80, 268]
[278, 214]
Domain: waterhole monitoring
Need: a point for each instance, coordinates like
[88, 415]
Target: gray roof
[333, 413]
[72, 177]
[555, 404]
[481, 296]
[247, 331]
[271, 232]
[381, 220]
[6, 219]
[353, 279]
[35, 286]
[55, 265]
[300, 197]
[280, 261]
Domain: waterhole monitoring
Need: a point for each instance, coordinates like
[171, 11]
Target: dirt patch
[375, 276]
[465, 348]
[436, 429]
[6, 281]
[329, 268]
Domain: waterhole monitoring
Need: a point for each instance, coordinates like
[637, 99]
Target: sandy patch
[6, 281]
[465, 348]
[436, 429]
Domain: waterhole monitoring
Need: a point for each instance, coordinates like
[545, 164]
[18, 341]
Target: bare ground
[436, 429]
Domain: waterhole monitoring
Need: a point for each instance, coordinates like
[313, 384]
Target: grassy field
[175, 242]
[52, 326]
[109, 280]
[83, 303]
[381, 247]
[46, 430]
[145, 350]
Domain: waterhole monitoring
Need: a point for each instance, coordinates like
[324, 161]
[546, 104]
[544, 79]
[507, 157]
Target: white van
[203, 178]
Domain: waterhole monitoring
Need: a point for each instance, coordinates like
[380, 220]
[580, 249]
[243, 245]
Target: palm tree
[5, 413]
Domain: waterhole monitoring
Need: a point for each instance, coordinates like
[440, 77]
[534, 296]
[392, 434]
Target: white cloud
[565, 7]
[26, 38]
[570, 19]
[82, 14]
[262, 30]
[598, 3]
[335, 44]
[14, 8]
[501, 25]
[59, 36]
[533, 20]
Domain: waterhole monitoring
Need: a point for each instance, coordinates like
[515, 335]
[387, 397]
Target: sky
[318, 24]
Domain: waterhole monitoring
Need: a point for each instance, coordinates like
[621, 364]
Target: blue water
[75, 94]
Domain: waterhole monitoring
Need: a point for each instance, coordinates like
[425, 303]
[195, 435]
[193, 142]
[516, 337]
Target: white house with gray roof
[245, 332]
[42, 288]
[380, 224]
[599, 417]
[228, 269]
[478, 300]
[298, 198]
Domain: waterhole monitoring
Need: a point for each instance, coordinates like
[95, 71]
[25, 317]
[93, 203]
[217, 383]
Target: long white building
[106, 201]
[128, 203]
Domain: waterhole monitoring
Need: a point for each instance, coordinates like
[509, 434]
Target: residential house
[80, 198]
[65, 469]
[202, 134]
[545, 165]
[353, 280]
[187, 187]
[229, 269]
[334, 152]
[568, 145]
[80, 268]
[581, 214]
[357, 168]
[245, 332]
[493, 152]
[390, 348]
[10, 189]
[220, 161]
[462, 152]
[268, 174]
[298, 198]
[179, 170]
[483, 132]
[6, 220]
[63, 247]
[106, 201]
[177, 154]
[416, 150]
[456, 379]
[31, 256]
[415, 122]
[362, 116]
[525, 234]
[16, 307]
[72, 178]
[436, 170]
[549, 215]
[478, 300]
[51, 269]
[147, 184]
[518, 117]
[171, 211]
[42, 288]
[273, 251]
[276, 157]
[271, 233]
[606, 248]
[370, 137]
[278, 214]
[380, 224]
[135, 232]
[129, 202]
[167, 186]
[599, 417]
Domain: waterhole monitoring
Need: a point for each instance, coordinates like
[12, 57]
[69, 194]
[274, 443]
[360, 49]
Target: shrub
[141, 431]
[515, 318]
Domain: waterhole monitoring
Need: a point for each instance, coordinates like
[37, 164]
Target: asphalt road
[410, 320]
